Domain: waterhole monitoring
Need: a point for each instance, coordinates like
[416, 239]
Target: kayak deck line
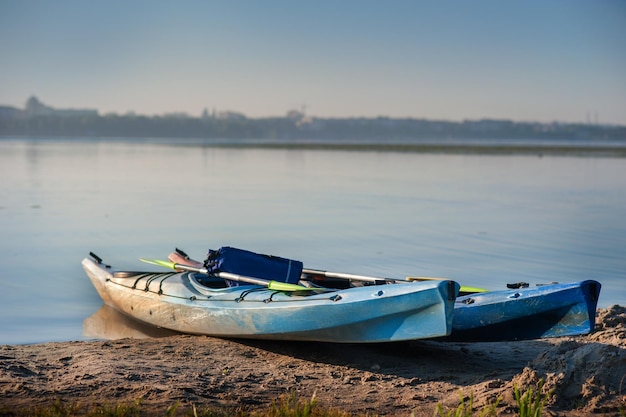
[151, 277]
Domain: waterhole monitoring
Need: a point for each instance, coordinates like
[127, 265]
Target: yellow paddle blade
[464, 288]
[166, 264]
[284, 286]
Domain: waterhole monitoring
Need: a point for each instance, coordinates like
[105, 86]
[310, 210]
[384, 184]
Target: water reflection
[108, 323]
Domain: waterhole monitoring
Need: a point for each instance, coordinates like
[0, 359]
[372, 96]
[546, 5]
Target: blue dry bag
[250, 264]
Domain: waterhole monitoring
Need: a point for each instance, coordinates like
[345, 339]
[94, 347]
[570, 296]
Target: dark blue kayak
[552, 310]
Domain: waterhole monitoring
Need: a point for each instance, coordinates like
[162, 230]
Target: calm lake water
[483, 220]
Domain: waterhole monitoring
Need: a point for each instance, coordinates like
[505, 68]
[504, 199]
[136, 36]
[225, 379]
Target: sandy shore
[587, 373]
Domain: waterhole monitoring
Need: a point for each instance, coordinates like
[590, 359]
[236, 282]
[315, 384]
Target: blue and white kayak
[552, 310]
[188, 302]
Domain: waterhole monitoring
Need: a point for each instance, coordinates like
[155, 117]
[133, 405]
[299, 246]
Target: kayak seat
[210, 281]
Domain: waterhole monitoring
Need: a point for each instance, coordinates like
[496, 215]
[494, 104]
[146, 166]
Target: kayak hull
[553, 310]
[179, 301]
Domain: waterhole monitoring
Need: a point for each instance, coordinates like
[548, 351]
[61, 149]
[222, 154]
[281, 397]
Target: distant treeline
[285, 128]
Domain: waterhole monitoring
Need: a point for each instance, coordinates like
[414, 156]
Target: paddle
[353, 277]
[339, 275]
[272, 285]
[464, 289]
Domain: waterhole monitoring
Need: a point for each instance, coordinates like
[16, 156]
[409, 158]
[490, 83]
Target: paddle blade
[166, 264]
[463, 290]
[472, 290]
[284, 286]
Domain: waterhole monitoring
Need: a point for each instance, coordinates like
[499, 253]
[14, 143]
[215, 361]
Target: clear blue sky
[533, 60]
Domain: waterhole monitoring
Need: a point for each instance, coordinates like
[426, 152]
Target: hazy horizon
[524, 61]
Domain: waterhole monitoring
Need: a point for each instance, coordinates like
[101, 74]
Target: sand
[587, 374]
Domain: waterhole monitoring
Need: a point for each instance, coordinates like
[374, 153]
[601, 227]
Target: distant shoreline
[551, 150]
[581, 148]
[38, 119]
